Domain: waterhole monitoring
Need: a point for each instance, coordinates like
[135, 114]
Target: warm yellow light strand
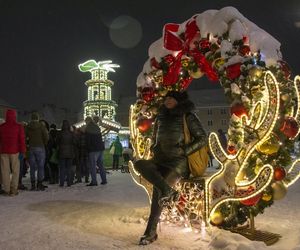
[268, 79]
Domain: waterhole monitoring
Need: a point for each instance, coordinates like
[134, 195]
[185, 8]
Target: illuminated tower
[99, 100]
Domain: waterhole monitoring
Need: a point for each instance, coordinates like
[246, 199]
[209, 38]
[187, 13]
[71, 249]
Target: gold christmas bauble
[285, 97]
[162, 92]
[266, 197]
[216, 218]
[218, 63]
[279, 190]
[270, 145]
[255, 73]
[196, 74]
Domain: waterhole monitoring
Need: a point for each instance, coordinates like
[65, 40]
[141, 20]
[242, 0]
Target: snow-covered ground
[113, 217]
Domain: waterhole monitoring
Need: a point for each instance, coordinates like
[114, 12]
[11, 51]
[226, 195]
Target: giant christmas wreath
[257, 166]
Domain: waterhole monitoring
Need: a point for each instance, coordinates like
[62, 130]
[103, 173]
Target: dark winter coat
[93, 136]
[52, 143]
[169, 148]
[12, 137]
[66, 143]
[37, 134]
[82, 146]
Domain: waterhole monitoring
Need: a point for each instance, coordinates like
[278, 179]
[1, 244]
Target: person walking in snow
[12, 143]
[169, 163]
[116, 150]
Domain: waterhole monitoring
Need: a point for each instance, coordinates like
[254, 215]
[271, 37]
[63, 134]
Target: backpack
[198, 160]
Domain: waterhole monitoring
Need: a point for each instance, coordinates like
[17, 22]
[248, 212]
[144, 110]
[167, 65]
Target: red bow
[174, 42]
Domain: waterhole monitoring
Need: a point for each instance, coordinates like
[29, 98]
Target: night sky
[42, 42]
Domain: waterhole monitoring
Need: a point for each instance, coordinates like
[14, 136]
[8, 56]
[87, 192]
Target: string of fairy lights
[256, 167]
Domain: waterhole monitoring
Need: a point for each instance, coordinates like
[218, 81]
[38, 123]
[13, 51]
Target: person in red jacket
[12, 142]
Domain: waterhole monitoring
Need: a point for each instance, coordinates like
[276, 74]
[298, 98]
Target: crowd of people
[72, 154]
[62, 156]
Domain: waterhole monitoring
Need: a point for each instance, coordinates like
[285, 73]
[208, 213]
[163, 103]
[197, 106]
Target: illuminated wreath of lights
[256, 168]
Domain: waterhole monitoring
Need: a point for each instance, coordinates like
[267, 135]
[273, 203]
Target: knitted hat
[178, 96]
[35, 116]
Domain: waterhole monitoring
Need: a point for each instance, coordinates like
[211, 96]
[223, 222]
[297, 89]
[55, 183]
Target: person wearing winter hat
[169, 163]
[12, 143]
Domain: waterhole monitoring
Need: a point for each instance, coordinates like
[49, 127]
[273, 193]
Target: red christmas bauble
[244, 50]
[252, 201]
[289, 127]
[231, 149]
[279, 173]
[239, 110]
[233, 71]
[144, 124]
[147, 94]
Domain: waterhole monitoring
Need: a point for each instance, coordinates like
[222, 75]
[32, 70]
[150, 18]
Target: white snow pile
[114, 216]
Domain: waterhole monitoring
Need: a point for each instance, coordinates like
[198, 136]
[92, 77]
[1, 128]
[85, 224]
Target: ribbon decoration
[172, 75]
[204, 65]
[174, 42]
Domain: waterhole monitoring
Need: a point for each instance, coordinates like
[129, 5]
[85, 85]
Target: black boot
[33, 188]
[150, 234]
[147, 239]
[40, 186]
